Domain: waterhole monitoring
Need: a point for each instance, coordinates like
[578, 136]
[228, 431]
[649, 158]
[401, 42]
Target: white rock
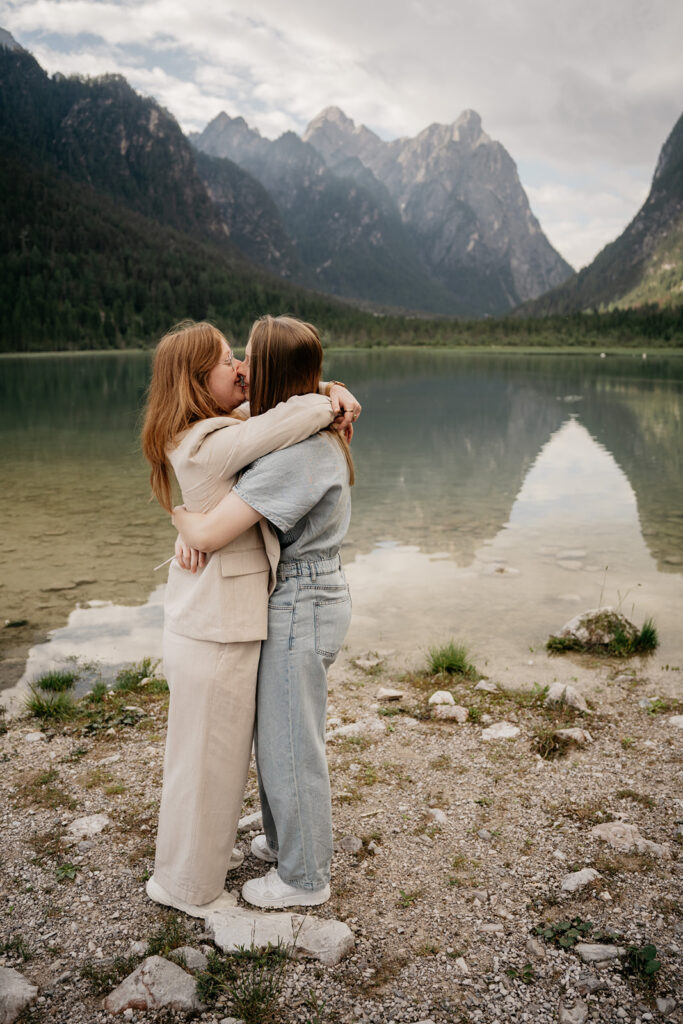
[85, 828]
[442, 697]
[558, 855]
[535, 947]
[579, 879]
[250, 821]
[487, 686]
[491, 928]
[576, 1014]
[579, 736]
[155, 985]
[193, 958]
[676, 720]
[138, 948]
[230, 1020]
[326, 940]
[16, 994]
[385, 693]
[454, 713]
[461, 964]
[626, 838]
[596, 952]
[350, 844]
[367, 725]
[563, 693]
[437, 815]
[500, 731]
[34, 737]
[666, 1005]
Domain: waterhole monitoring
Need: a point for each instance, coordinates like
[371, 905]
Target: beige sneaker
[159, 895]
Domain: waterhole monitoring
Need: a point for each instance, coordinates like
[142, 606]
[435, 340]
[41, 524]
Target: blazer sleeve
[227, 450]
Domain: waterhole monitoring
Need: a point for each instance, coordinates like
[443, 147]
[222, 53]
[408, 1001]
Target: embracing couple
[250, 632]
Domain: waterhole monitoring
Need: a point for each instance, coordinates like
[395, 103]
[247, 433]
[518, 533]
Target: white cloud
[582, 86]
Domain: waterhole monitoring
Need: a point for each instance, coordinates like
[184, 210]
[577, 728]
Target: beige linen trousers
[214, 622]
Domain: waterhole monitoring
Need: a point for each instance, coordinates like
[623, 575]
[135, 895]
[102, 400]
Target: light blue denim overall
[304, 492]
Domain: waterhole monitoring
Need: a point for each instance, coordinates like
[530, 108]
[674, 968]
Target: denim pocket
[332, 616]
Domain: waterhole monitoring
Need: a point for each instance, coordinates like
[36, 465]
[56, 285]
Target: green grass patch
[57, 682]
[39, 789]
[129, 678]
[53, 706]
[171, 934]
[250, 980]
[104, 975]
[450, 659]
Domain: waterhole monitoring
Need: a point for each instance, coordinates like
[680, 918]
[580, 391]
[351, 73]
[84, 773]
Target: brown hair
[178, 395]
[286, 359]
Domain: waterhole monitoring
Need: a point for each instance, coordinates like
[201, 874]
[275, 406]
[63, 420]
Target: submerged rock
[603, 631]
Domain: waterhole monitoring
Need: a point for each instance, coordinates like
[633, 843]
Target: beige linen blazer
[227, 600]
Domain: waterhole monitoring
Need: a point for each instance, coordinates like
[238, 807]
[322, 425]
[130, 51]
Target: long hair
[178, 395]
[286, 359]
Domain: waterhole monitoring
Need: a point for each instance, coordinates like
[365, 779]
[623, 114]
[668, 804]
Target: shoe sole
[313, 899]
[164, 899]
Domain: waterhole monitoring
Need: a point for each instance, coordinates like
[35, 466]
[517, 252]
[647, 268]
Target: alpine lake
[498, 494]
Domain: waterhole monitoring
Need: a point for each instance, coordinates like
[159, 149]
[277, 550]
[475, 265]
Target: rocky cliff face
[645, 263]
[459, 192]
[346, 228]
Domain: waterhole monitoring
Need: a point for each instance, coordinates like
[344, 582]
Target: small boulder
[156, 984]
[501, 731]
[675, 720]
[576, 1014]
[350, 844]
[487, 686]
[627, 839]
[85, 828]
[190, 957]
[596, 952]
[563, 693]
[579, 879]
[386, 693]
[442, 697]
[580, 737]
[326, 940]
[598, 628]
[250, 821]
[437, 815]
[16, 994]
[452, 713]
[34, 737]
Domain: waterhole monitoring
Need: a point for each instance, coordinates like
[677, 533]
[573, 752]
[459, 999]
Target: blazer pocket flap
[242, 563]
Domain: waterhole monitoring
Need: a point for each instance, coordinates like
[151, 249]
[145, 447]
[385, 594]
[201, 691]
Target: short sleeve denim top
[303, 491]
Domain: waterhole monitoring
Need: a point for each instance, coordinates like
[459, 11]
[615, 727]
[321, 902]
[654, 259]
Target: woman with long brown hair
[216, 618]
[303, 492]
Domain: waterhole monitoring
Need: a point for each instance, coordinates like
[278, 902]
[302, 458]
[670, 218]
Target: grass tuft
[130, 677]
[57, 682]
[171, 934]
[451, 659]
[250, 979]
[55, 706]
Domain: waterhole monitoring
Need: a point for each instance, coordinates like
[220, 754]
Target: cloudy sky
[581, 93]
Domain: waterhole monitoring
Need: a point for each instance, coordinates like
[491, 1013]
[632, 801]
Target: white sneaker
[236, 859]
[260, 849]
[270, 891]
[159, 895]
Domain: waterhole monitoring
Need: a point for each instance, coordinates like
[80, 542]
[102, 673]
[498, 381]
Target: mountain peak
[8, 41]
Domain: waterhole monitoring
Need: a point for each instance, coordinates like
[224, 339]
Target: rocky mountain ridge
[459, 192]
[645, 264]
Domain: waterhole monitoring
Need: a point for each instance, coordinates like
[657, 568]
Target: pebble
[626, 838]
[596, 952]
[442, 697]
[501, 731]
[350, 844]
[563, 693]
[579, 879]
[666, 1005]
[385, 693]
[575, 1014]
[34, 737]
[677, 721]
[455, 713]
[487, 686]
[437, 815]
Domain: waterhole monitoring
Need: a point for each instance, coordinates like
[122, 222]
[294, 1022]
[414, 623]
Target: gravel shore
[452, 852]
